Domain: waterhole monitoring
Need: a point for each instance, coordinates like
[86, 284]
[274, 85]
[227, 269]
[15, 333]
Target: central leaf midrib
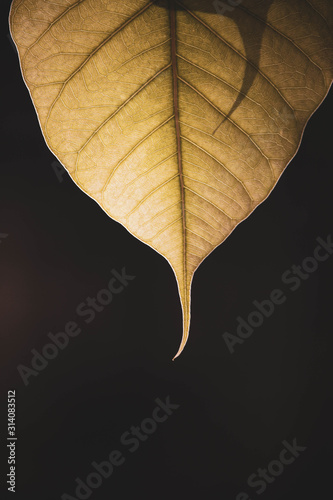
[177, 123]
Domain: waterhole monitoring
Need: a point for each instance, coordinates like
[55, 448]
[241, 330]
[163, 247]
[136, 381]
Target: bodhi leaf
[177, 117]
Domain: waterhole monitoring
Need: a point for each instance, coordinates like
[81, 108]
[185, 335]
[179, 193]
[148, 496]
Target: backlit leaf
[178, 118]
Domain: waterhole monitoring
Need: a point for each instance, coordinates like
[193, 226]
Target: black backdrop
[235, 410]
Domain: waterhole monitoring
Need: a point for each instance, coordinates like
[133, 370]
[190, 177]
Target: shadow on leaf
[239, 14]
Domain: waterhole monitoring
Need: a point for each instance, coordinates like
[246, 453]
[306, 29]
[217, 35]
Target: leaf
[176, 119]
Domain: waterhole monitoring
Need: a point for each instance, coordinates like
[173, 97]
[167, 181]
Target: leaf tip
[183, 342]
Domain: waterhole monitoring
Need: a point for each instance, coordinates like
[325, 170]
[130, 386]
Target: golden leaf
[177, 117]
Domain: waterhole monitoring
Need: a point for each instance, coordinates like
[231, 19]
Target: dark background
[235, 410]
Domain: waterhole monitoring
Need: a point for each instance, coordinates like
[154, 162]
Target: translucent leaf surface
[178, 118]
